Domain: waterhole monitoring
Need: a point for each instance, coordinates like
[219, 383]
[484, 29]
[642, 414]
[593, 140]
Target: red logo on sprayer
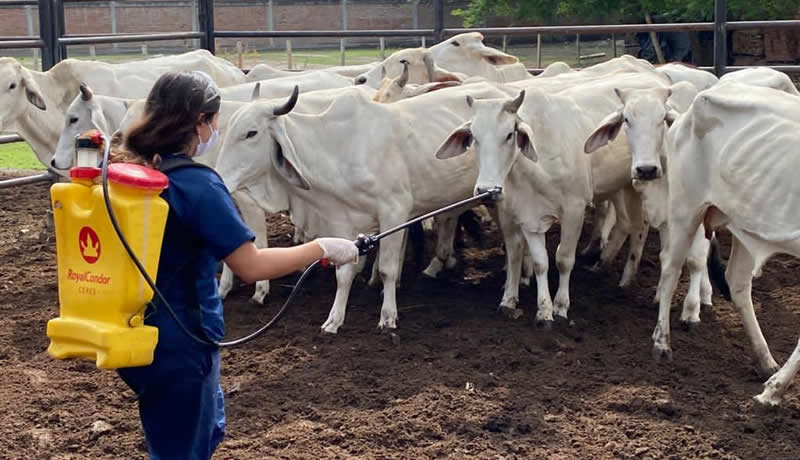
[89, 244]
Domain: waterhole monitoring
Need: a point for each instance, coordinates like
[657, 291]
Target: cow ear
[98, 119]
[671, 116]
[286, 169]
[497, 57]
[456, 143]
[607, 131]
[33, 93]
[283, 159]
[525, 141]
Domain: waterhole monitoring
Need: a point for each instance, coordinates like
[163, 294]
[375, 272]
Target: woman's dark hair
[175, 103]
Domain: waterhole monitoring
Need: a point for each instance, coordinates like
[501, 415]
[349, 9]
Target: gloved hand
[338, 250]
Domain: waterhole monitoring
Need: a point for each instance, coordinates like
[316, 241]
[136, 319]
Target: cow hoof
[561, 321]
[546, 324]
[511, 312]
[662, 354]
[690, 326]
[706, 308]
[380, 330]
[766, 402]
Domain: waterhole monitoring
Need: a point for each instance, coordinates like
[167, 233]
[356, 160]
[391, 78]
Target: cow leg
[515, 245]
[677, 249]
[527, 260]
[638, 231]
[698, 252]
[254, 218]
[389, 267]
[739, 275]
[446, 229]
[571, 227]
[602, 223]
[373, 279]
[619, 233]
[536, 244]
[344, 281]
[779, 382]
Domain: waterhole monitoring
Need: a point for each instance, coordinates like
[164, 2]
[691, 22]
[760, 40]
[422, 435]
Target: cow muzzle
[645, 173]
[495, 193]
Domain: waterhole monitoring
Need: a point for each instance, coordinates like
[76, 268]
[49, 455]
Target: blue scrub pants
[181, 403]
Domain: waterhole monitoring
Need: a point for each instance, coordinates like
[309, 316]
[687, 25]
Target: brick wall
[143, 16]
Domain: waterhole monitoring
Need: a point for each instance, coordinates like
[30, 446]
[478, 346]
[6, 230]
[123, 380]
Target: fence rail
[10, 138]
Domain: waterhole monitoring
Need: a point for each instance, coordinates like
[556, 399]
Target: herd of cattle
[358, 149]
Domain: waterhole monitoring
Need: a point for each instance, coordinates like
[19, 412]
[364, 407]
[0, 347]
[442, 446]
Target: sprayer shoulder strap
[179, 161]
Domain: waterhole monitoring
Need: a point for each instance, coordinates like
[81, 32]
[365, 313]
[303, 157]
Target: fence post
[206, 21]
[382, 42]
[720, 36]
[438, 21]
[538, 51]
[59, 29]
[46, 32]
[614, 44]
[289, 54]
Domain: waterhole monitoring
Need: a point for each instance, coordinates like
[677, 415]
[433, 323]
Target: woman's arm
[252, 264]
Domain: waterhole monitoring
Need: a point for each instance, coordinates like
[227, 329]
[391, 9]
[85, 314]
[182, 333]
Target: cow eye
[251, 134]
[73, 120]
[508, 138]
[455, 43]
[627, 122]
[12, 86]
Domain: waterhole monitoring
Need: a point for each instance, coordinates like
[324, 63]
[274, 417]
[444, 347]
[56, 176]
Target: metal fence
[53, 41]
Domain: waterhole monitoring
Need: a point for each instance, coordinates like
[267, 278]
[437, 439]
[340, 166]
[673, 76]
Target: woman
[180, 399]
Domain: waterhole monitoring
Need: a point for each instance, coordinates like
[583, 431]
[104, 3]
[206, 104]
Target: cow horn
[86, 93]
[401, 82]
[427, 58]
[513, 105]
[289, 105]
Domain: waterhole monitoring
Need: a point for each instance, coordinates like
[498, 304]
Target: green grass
[18, 155]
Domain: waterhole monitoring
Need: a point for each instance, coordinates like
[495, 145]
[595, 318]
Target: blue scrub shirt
[181, 403]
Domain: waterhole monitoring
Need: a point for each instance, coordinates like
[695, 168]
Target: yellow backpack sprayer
[102, 293]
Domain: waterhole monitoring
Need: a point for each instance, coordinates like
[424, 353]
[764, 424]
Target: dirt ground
[462, 381]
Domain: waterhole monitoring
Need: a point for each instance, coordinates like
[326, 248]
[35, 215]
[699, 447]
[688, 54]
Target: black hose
[152, 285]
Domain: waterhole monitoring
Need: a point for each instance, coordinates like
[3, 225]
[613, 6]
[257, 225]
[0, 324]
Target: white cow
[358, 167]
[283, 86]
[395, 89]
[422, 68]
[466, 53]
[549, 182]
[645, 115]
[33, 103]
[678, 71]
[733, 161]
[762, 76]
[265, 72]
[556, 68]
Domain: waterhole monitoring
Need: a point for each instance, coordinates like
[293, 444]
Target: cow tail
[716, 269]
[416, 237]
[471, 222]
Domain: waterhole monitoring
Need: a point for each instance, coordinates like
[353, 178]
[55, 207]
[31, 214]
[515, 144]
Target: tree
[549, 11]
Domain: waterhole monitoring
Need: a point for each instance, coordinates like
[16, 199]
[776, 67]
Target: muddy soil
[458, 380]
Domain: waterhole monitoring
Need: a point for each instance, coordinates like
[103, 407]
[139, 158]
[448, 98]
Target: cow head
[18, 92]
[256, 151]
[499, 136]
[395, 89]
[83, 114]
[645, 114]
[422, 68]
[466, 53]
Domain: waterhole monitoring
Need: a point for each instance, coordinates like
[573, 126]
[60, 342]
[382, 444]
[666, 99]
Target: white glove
[338, 250]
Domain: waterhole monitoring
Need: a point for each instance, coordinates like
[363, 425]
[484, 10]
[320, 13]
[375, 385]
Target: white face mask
[203, 147]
